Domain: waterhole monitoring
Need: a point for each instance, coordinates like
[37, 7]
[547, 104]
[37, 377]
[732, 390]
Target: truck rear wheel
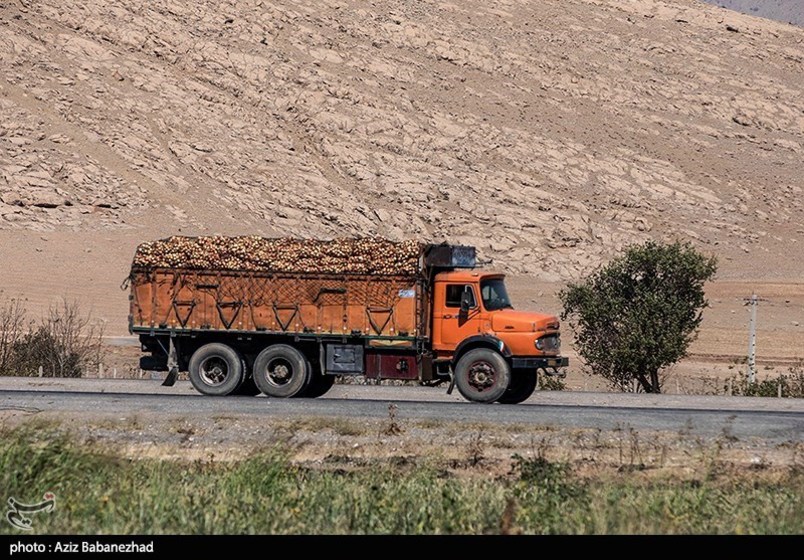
[482, 375]
[521, 388]
[247, 388]
[215, 370]
[282, 371]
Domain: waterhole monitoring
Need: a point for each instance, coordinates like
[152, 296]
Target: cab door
[450, 326]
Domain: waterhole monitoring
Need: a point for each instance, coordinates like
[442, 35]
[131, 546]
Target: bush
[64, 343]
[792, 385]
[12, 327]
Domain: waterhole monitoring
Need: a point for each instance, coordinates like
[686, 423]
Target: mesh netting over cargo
[290, 255]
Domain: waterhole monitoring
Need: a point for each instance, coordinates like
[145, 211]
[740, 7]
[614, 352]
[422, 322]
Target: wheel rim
[279, 372]
[481, 376]
[214, 371]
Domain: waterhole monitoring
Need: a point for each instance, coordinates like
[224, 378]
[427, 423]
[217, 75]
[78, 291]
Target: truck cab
[477, 331]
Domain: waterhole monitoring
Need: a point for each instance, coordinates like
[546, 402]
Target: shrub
[12, 327]
[791, 384]
[64, 343]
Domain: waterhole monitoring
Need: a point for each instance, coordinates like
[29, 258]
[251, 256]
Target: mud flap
[451, 382]
[173, 366]
[170, 379]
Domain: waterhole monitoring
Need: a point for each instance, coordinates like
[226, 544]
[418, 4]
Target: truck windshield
[494, 294]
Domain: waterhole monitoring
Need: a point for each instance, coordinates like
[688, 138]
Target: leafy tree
[639, 313]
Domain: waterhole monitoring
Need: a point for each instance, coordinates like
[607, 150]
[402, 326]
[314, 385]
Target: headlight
[550, 343]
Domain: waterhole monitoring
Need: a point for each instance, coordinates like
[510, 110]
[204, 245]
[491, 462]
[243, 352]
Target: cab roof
[467, 275]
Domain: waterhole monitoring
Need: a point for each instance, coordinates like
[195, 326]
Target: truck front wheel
[282, 371]
[521, 388]
[482, 375]
[319, 385]
[215, 370]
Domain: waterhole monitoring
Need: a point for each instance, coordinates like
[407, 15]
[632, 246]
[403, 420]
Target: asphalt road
[766, 418]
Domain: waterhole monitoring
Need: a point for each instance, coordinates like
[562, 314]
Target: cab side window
[454, 292]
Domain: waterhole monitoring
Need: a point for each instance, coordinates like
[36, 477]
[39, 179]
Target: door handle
[448, 317]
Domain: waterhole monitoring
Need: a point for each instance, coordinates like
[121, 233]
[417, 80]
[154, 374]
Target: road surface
[771, 419]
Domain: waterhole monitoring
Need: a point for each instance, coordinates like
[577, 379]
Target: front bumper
[539, 363]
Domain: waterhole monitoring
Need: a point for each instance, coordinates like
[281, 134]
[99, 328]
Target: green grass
[99, 492]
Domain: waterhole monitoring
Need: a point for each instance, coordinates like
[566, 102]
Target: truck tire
[215, 370]
[247, 388]
[319, 385]
[482, 375]
[282, 371]
[520, 389]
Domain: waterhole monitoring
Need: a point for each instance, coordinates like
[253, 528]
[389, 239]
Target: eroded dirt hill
[549, 134]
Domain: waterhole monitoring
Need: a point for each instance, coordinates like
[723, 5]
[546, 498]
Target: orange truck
[306, 312]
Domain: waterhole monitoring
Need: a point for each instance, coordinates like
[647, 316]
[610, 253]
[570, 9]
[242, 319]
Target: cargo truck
[286, 317]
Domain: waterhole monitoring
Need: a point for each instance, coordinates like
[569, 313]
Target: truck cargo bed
[215, 300]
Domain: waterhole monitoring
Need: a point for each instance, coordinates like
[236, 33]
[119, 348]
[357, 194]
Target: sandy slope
[549, 134]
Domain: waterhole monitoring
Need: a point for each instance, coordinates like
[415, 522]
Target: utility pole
[752, 338]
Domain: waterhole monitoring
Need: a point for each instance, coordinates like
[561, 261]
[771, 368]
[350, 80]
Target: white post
[41, 371]
[100, 371]
[752, 341]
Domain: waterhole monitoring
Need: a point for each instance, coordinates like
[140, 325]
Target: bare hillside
[549, 134]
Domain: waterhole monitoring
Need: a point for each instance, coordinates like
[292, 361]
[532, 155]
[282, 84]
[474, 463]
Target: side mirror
[466, 304]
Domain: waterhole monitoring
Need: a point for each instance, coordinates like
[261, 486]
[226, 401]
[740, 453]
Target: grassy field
[101, 492]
